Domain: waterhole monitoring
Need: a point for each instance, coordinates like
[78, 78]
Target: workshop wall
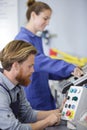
[68, 24]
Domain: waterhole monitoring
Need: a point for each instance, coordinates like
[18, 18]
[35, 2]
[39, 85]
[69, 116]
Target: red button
[68, 113]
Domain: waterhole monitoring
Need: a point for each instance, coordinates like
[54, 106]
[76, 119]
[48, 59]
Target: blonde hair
[16, 50]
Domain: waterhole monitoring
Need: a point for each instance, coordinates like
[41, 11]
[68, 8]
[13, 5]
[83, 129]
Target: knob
[75, 98]
[68, 113]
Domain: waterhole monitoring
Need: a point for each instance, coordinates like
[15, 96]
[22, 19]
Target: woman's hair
[16, 50]
[36, 7]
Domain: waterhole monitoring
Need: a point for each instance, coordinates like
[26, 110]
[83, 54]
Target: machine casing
[76, 104]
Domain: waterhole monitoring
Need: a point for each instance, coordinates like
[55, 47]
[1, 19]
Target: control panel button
[75, 98]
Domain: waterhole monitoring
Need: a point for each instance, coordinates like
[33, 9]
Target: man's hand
[53, 119]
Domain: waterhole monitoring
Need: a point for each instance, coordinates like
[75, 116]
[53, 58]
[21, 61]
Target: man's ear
[16, 66]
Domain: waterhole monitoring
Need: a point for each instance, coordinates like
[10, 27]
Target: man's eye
[30, 66]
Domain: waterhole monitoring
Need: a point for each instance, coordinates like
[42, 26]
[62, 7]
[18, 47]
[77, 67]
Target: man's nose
[32, 69]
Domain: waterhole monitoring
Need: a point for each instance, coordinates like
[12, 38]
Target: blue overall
[38, 92]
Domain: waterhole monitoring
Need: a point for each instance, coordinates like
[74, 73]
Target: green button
[75, 98]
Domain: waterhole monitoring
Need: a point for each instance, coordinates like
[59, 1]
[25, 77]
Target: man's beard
[22, 80]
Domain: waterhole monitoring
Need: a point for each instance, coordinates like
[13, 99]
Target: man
[17, 59]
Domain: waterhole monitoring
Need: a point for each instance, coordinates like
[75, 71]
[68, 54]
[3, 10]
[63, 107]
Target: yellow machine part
[69, 58]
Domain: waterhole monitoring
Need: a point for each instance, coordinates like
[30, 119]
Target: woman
[38, 93]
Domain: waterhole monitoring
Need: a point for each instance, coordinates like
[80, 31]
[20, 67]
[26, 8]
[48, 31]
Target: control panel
[81, 81]
[75, 104]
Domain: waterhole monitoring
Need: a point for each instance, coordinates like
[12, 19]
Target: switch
[66, 105]
[69, 105]
[63, 113]
[75, 90]
[68, 113]
[75, 98]
[73, 106]
[68, 97]
[71, 90]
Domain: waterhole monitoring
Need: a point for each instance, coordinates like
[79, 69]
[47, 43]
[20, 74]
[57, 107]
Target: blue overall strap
[6, 90]
[14, 105]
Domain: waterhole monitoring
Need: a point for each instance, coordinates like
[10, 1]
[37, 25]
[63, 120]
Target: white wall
[69, 22]
[8, 21]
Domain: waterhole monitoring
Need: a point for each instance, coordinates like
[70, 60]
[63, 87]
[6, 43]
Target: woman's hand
[77, 72]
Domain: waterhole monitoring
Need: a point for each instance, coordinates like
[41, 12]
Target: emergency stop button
[68, 113]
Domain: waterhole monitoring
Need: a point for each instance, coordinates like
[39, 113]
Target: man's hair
[16, 50]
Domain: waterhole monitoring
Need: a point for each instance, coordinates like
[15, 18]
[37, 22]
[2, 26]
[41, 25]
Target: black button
[8, 115]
